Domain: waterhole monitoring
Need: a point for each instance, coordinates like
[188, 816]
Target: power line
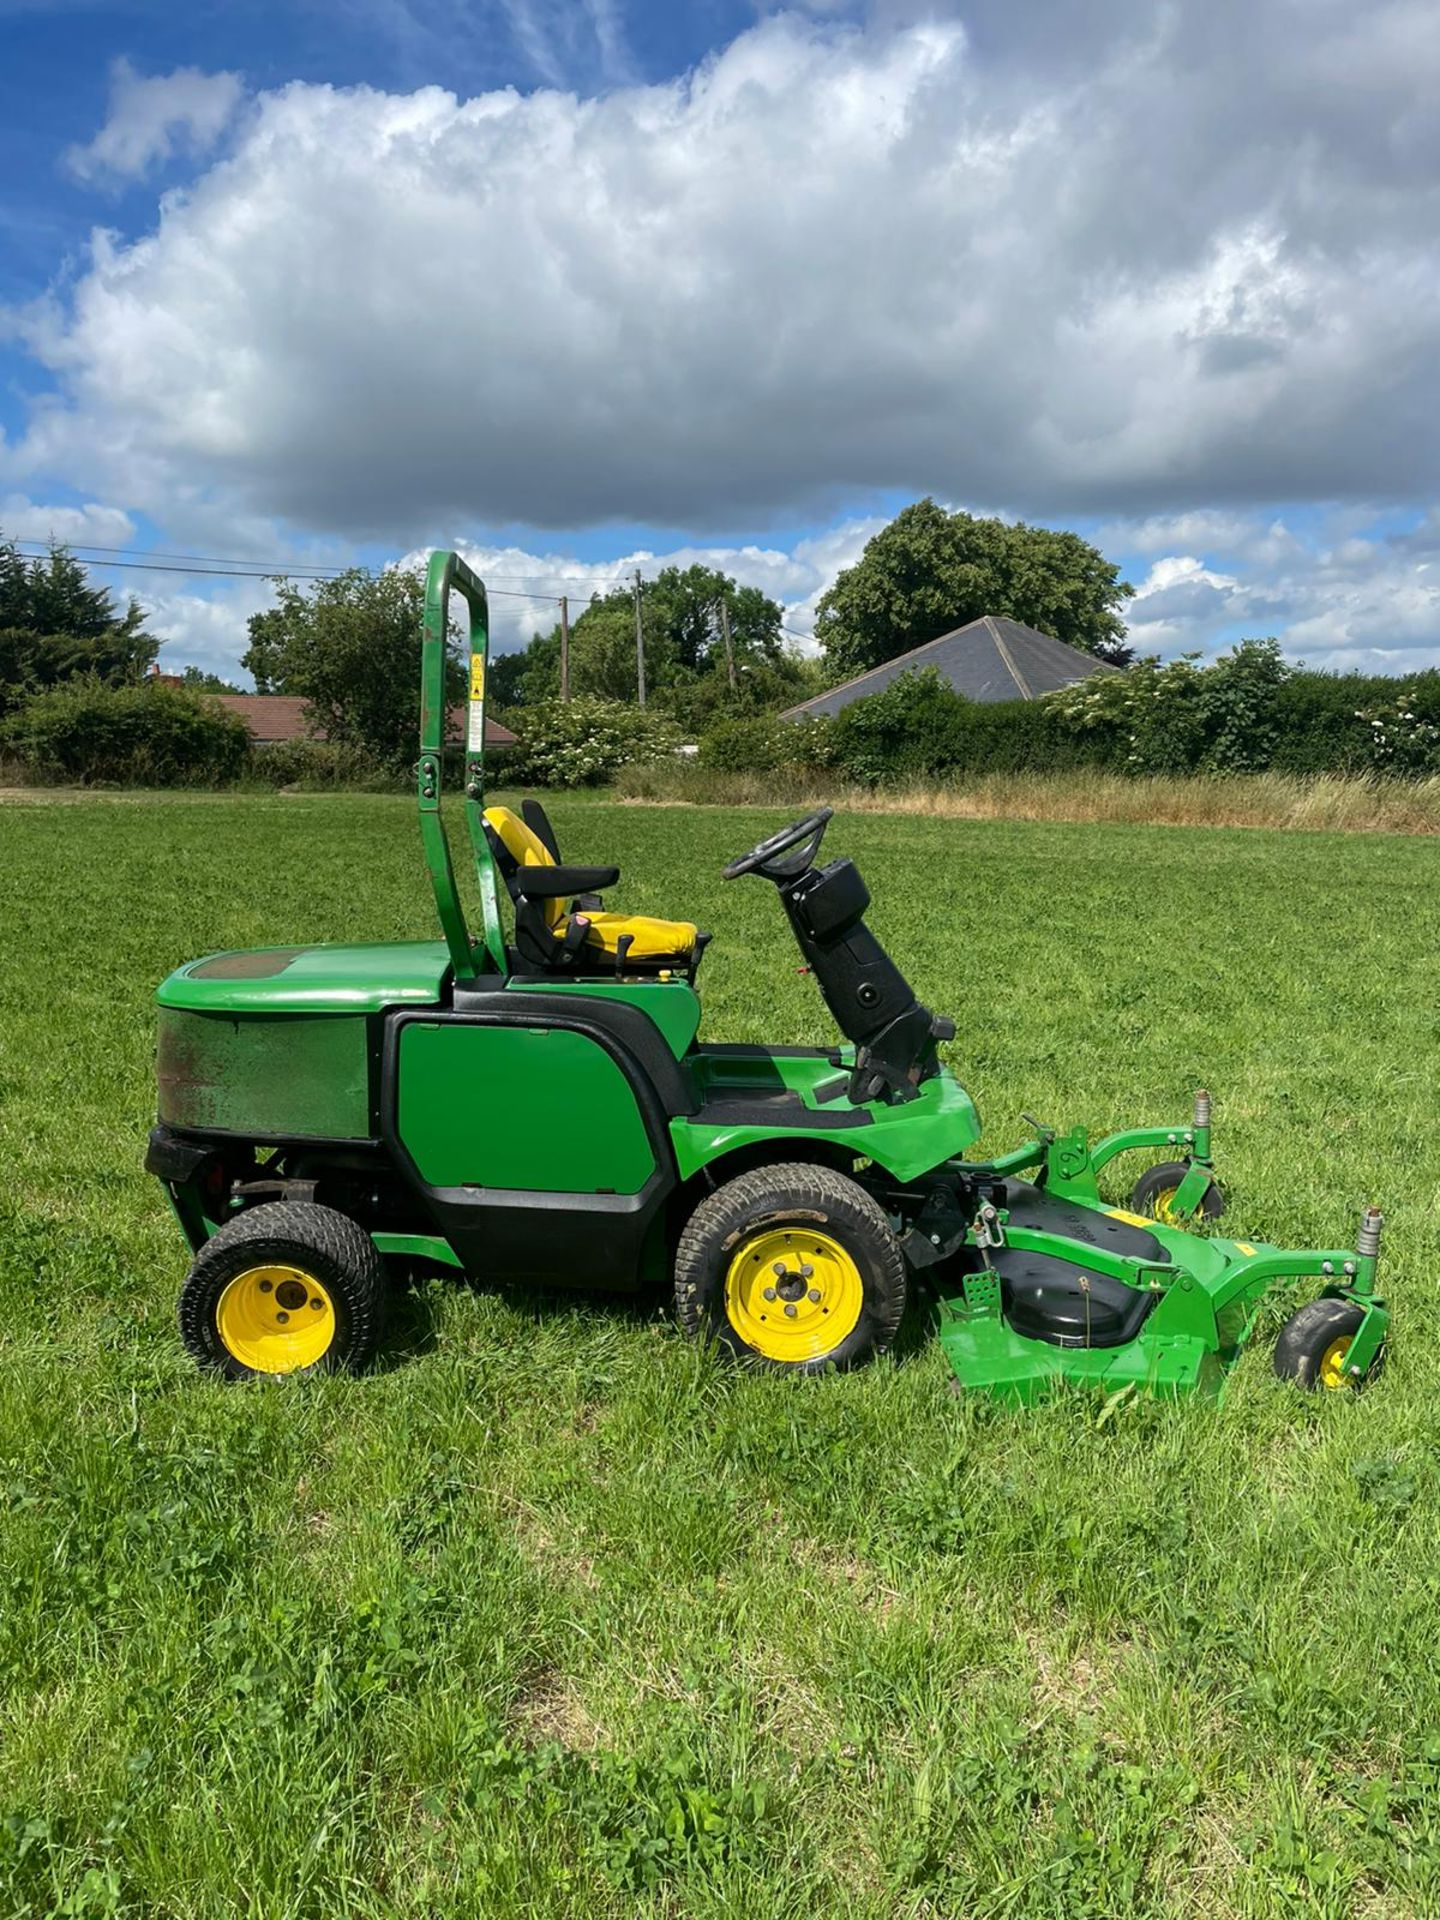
[258, 572]
[268, 569]
[211, 566]
[138, 554]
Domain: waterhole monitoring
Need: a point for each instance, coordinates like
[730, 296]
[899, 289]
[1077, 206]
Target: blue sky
[581, 283]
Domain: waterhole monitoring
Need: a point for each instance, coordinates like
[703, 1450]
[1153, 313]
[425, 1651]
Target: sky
[581, 285]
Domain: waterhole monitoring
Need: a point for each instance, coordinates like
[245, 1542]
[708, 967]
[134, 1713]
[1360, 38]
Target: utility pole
[564, 647]
[639, 641]
[725, 635]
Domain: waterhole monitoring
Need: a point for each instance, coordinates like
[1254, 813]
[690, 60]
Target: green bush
[764, 743]
[920, 729]
[147, 735]
[584, 742]
[319, 763]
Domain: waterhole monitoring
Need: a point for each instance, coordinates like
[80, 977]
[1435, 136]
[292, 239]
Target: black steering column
[872, 1002]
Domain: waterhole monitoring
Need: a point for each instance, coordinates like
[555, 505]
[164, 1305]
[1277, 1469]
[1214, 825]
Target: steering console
[803, 837]
[872, 1002]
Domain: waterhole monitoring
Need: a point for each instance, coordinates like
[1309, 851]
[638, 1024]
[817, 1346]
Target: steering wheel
[805, 834]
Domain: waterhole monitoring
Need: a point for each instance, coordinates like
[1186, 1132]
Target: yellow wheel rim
[792, 1294]
[275, 1319]
[1331, 1371]
[1161, 1205]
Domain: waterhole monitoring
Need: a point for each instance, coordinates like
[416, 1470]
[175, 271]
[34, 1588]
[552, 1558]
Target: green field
[551, 1615]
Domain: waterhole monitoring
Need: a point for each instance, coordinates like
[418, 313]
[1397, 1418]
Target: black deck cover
[1063, 1302]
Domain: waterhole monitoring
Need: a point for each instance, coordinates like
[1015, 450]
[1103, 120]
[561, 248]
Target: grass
[1331, 803]
[550, 1616]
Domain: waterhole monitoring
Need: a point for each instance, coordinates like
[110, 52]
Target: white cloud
[795, 577]
[1346, 599]
[151, 118]
[88, 525]
[203, 629]
[1178, 261]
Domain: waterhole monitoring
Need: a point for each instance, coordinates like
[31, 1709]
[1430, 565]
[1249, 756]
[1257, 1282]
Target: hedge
[1247, 712]
[146, 735]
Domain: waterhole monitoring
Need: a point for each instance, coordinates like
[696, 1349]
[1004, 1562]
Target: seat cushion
[650, 939]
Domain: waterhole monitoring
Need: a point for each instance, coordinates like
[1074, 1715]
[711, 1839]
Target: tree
[350, 647]
[55, 626]
[684, 644]
[198, 680]
[931, 571]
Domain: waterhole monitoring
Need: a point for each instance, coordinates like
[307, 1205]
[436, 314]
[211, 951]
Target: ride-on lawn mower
[540, 1110]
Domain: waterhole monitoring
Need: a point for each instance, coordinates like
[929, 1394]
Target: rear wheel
[1314, 1343]
[1154, 1194]
[793, 1267]
[284, 1288]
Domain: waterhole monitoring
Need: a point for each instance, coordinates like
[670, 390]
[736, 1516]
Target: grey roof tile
[991, 659]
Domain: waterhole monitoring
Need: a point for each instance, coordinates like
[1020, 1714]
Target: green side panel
[528, 1108]
[673, 1005]
[312, 979]
[907, 1141]
[265, 1075]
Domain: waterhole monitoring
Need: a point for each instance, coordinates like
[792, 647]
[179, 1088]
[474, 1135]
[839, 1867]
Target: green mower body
[541, 1110]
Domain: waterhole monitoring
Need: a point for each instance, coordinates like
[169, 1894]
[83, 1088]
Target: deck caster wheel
[1154, 1194]
[1313, 1344]
[284, 1288]
[793, 1268]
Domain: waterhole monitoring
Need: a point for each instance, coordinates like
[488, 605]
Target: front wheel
[792, 1267]
[1154, 1194]
[1314, 1343]
[284, 1288]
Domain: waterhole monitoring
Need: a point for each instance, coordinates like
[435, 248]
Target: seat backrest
[520, 846]
[538, 821]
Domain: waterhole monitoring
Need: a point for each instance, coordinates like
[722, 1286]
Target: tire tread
[282, 1226]
[804, 1185]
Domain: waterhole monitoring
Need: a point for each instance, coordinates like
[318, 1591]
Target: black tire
[325, 1247]
[1147, 1194]
[790, 1204]
[1313, 1332]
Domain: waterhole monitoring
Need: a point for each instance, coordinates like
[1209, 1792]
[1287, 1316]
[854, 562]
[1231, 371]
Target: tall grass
[1332, 803]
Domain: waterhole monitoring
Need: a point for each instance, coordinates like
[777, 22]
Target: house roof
[281, 716]
[991, 659]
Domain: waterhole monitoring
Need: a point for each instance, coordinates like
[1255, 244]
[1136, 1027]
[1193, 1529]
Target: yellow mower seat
[657, 942]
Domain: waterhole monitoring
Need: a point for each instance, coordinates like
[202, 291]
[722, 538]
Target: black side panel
[599, 1240]
[169, 1157]
[739, 1050]
[592, 1240]
[754, 1107]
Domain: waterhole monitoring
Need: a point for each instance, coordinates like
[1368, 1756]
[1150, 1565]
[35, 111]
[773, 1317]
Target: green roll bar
[469, 958]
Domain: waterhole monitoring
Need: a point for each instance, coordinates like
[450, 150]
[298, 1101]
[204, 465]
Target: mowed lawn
[552, 1615]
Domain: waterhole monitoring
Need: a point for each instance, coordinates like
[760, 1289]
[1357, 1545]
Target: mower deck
[1062, 1289]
